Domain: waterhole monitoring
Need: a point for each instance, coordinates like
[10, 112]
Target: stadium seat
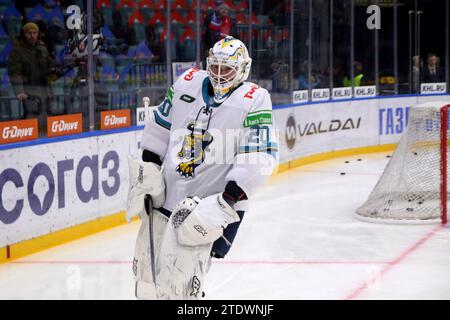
[147, 13]
[121, 61]
[126, 4]
[56, 17]
[103, 4]
[107, 13]
[157, 19]
[146, 4]
[109, 36]
[141, 52]
[241, 19]
[135, 18]
[179, 4]
[187, 45]
[4, 52]
[209, 5]
[11, 12]
[241, 6]
[255, 20]
[106, 60]
[38, 13]
[172, 43]
[191, 18]
[176, 17]
[12, 20]
[4, 37]
[161, 5]
[140, 32]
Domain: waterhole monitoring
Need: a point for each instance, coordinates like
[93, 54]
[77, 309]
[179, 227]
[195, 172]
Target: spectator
[416, 69]
[29, 67]
[218, 24]
[358, 78]
[304, 81]
[432, 72]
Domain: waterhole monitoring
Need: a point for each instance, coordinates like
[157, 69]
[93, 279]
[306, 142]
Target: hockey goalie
[206, 149]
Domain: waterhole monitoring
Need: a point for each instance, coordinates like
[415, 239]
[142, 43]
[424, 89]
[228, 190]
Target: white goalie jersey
[204, 145]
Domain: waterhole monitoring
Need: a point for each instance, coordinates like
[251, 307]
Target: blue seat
[4, 53]
[107, 16]
[56, 17]
[38, 13]
[187, 50]
[139, 31]
[4, 37]
[106, 60]
[13, 26]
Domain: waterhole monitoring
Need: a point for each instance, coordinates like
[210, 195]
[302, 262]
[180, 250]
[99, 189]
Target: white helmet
[232, 54]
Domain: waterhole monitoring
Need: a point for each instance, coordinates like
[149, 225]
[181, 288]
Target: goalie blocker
[221, 246]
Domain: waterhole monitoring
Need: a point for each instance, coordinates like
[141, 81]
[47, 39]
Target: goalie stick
[149, 210]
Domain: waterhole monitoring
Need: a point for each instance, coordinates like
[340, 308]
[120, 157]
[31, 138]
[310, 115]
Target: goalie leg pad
[181, 270]
[145, 288]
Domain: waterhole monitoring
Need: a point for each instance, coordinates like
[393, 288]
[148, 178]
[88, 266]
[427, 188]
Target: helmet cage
[227, 69]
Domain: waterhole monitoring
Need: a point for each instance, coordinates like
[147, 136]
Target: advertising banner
[342, 93]
[19, 130]
[365, 91]
[64, 125]
[320, 94]
[143, 114]
[440, 87]
[115, 119]
[300, 96]
[61, 184]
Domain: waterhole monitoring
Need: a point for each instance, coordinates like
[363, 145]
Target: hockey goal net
[413, 186]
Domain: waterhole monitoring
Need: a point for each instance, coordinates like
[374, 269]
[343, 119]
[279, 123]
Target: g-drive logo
[317, 127]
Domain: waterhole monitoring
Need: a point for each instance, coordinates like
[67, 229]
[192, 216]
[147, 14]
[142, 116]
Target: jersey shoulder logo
[193, 150]
[252, 91]
[190, 75]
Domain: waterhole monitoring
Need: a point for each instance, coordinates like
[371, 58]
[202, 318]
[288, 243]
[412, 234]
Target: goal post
[413, 187]
[443, 162]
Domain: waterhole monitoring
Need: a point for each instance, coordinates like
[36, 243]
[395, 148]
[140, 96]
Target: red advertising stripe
[19, 130]
[64, 125]
[115, 119]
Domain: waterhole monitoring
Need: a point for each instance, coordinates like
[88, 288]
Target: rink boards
[59, 189]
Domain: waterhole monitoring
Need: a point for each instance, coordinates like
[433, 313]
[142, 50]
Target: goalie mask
[228, 65]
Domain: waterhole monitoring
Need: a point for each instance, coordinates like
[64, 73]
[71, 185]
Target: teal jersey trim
[270, 148]
[209, 100]
[163, 123]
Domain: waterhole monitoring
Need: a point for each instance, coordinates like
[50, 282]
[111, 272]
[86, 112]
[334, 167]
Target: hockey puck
[342, 173]
[388, 156]
[347, 161]
[359, 160]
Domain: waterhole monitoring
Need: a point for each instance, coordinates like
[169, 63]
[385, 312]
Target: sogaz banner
[53, 186]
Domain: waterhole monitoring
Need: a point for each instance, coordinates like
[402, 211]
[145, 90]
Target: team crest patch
[193, 150]
[187, 98]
